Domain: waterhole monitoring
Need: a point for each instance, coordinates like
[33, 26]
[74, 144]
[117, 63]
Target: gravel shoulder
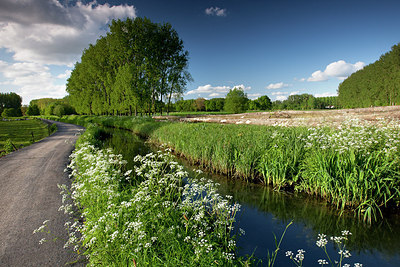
[29, 195]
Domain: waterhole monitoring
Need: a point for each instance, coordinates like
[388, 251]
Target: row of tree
[294, 102]
[235, 101]
[377, 84]
[306, 102]
[136, 67]
[10, 105]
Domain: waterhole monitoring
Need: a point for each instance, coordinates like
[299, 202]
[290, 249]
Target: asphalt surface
[29, 195]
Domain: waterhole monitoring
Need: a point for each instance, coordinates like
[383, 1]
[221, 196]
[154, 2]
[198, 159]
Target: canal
[265, 213]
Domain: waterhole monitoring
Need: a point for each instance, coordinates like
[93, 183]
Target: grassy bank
[146, 216]
[354, 166]
[15, 134]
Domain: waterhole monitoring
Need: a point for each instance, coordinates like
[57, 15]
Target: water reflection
[265, 212]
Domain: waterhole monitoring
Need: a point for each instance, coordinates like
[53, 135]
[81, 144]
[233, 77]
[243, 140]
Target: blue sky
[273, 48]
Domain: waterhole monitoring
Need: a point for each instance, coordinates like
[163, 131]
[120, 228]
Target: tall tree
[236, 101]
[135, 66]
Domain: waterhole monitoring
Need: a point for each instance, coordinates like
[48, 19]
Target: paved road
[29, 195]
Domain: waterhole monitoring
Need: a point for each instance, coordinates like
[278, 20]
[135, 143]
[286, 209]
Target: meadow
[353, 166]
[20, 133]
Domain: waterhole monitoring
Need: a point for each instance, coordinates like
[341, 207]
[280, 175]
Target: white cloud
[318, 76]
[215, 95]
[215, 91]
[47, 32]
[326, 94]
[339, 69]
[42, 33]
[280, 93]
[253, 96]
[294, 93]
[32, 80]
[281, 97]
[277, 85]
[64, 75]
[216, 11]
[208, 89]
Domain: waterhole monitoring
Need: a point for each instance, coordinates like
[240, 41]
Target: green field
[22, 133]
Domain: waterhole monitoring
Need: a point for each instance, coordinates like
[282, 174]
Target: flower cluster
[322, 241]
[358, 136]
[154, 209]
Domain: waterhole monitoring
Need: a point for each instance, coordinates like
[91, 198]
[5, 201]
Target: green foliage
[8, 146]
[306, 102]
[375, 85]
[51, 106]
[280, 163]
[215, 104]
[132, 69]
[11, 112]
[200, 104]
[11, 100]
[261, 103]
[236, 101]
[33, 110]
[53, 128]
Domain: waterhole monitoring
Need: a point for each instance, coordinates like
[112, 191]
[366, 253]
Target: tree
[236, 101]
[135, 66]
[264, 103]
[200, 104]
[375, 85]
[10, 112]
[11, 100]
[33, 110]
[215, 104]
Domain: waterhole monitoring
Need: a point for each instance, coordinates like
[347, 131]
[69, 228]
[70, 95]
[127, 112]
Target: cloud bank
[339, 69]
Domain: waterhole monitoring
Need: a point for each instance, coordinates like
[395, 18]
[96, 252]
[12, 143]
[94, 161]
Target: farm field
[294, 117]
[22, 132]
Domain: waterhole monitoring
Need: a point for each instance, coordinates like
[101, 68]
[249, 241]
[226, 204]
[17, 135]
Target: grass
[355, 166]
[22, 132]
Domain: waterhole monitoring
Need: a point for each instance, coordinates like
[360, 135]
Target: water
[265, 212]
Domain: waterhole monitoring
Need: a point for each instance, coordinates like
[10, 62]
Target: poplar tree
[132, 69]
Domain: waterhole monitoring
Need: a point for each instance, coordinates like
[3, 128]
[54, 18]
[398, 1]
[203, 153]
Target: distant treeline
[50, 106]
[377, 84]
[136, 67]
[306, 102]
[10, 105]
[294, 102]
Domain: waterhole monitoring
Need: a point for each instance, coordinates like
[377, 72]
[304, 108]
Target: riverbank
[146, 216]
[353, 166]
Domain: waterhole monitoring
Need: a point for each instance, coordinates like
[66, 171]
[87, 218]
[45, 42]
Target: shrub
[8, 146]
[11, 112]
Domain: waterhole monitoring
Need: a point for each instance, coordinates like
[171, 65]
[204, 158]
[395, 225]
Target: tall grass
[354, 166]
